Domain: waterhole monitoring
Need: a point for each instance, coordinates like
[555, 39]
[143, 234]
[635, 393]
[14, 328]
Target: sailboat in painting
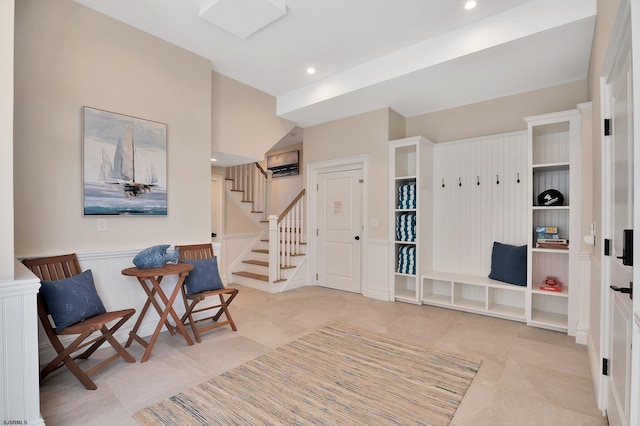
[124, 168]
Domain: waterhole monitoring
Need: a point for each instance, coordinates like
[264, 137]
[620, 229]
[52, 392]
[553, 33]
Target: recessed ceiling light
[311, 70]
[213, 160]
[470, 4]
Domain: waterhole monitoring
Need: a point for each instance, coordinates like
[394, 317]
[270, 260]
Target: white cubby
[474, 293]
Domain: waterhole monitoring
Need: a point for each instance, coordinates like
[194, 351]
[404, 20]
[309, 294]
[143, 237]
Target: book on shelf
[555, 243]
[546, 229]
[553, 240]
[548, 236]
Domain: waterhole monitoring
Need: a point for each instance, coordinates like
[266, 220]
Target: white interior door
[339, 229]
[619, 173]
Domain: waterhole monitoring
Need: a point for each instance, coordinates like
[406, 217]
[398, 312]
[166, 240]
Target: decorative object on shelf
[155, 257]
[124, 164]
[550, 197]
[551, 284]
[509, 264]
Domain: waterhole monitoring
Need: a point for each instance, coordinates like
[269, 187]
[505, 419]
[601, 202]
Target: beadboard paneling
[481, 201]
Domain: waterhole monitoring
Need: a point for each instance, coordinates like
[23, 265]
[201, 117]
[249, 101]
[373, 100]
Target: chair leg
[65, 358]
[100, 341]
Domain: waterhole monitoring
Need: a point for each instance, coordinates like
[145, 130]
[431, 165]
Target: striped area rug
[337, 375]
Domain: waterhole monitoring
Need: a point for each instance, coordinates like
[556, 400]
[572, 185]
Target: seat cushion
[204, 276]
[509, 264]
[72, 300]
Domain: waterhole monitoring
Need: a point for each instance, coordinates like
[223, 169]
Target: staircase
[275, 261]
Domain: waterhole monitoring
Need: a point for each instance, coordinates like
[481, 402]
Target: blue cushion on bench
[509, 264]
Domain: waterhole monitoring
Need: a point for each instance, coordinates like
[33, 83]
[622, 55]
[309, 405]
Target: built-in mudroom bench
[473, 293]
[477, 224]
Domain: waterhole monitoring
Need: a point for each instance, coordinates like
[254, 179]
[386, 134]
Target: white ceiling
[415, 56]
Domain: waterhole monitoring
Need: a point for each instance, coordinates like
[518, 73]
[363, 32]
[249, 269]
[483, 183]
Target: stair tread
[252, 275]
[299, 242]
[262, 263]
[256, 262]
[267, 252]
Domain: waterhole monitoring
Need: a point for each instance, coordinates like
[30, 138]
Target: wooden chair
[60, 267]
[226, 295]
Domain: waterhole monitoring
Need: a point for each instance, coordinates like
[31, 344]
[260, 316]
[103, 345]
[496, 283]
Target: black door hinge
[605, 367]
[607, 247]
[607, 126]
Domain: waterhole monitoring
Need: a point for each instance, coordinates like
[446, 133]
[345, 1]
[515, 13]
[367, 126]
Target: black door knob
[357, 237]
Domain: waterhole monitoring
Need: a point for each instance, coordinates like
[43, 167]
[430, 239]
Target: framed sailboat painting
[124, 164]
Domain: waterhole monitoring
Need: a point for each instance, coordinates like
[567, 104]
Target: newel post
[267, 193]
[273, 248]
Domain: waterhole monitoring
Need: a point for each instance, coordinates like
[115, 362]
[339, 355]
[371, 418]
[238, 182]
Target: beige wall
[397, 125]
[6, 140]
[68, 56]
[497, 115]
[361, 134]
[285, 188]
[243, 119]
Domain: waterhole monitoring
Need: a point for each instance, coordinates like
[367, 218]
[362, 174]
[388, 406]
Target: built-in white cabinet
[554, 162]
[410, 220]
[474, 192]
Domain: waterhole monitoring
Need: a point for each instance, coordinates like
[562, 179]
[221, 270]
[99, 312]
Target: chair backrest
[52, 268]
[195, 251]
[55, 267]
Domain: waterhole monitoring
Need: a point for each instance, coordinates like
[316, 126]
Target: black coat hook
[459, 181]
[443, 183]
[497, 180]
[478, 180]
[518, 175]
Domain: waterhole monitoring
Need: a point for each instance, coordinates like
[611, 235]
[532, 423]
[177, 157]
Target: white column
[274, 249]
[19, 369]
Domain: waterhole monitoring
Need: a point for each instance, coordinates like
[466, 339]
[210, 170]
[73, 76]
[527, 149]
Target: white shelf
[554, 152]
[563, 293]
[408, 158]
[549, 319]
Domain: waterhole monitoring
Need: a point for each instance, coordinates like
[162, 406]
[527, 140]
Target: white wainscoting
[583, 299]
[19, 372]
[234, 249]
[472, 210]
[377, 274]
[594, 333]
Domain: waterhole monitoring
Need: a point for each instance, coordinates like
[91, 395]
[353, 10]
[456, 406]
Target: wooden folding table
[150, 279]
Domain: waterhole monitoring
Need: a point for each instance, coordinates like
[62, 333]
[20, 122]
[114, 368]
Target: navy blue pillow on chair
[204, 276]
[72, 299]
[509, 264]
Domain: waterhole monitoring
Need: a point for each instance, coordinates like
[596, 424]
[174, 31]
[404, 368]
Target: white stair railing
[285, 237]
[255, 183]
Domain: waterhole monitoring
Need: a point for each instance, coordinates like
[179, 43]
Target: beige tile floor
[528, 376]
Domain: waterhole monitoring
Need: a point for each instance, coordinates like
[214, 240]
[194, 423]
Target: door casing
[340, 164]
